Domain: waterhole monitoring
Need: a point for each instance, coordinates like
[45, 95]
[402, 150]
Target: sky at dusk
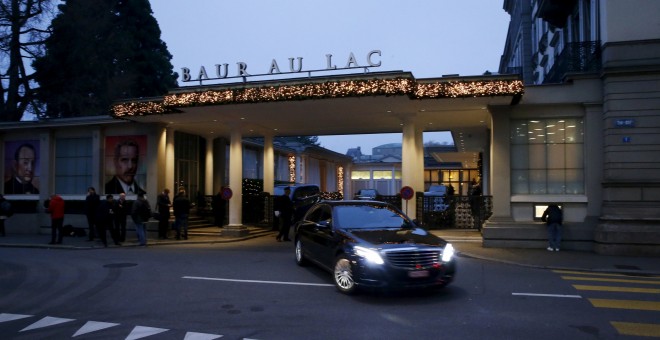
[429, 38]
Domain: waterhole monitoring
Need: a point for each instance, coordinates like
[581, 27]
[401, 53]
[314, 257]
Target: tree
[304, 140]
[101, 51]
[22, 34]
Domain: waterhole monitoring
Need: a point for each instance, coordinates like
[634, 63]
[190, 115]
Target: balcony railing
[580, 57]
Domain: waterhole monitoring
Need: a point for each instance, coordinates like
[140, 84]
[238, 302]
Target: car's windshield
[368, 192]
[368, 217]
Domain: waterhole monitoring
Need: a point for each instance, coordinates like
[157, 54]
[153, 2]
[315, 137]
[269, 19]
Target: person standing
[105, 218]
[284, 210]
[553, 217]
[5, 212]
[181, 207]
[163, 205]
[218, 207]
[121, 211]
[55, 206]
[92, 202]
[140, 213]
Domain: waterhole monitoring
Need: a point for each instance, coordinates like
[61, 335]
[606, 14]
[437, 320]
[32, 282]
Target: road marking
[618, 289]
[548, 295]
[201, 336]
[626, 304]
[45, 322]
[638, 329]
[606, 274]
[579, 278]
[140, 332]
[11, 317]
[258, 281]
[93, 326]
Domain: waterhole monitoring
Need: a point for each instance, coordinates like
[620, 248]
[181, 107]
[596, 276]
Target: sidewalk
[466, 242]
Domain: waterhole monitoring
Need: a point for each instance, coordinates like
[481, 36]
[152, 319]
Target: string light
[329, 89]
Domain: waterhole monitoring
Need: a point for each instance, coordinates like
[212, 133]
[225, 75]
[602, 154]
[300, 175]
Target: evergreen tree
[101, 51]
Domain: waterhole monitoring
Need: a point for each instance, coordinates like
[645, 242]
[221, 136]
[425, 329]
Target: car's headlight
[448, 253]
[369, 255]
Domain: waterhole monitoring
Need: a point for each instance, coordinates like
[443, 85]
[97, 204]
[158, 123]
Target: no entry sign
[407, 193]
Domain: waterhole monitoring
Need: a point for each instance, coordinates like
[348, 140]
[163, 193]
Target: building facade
[587, 132]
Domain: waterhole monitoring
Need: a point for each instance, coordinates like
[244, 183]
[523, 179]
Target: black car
[372, 244]
[303, 196]
[367, 194]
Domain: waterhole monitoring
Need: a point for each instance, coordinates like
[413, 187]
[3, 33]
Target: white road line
[548, 295]
[11, 317]
[140, 332]
[93, 326]
[46, 322]
[257, 281]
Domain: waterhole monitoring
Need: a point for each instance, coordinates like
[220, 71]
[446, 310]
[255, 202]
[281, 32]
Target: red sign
[407, 193]
[226, 193]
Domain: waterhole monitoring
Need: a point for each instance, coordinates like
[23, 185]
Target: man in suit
[24, 166]
[126, 164]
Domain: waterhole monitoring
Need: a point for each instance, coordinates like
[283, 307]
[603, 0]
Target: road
[254, 290]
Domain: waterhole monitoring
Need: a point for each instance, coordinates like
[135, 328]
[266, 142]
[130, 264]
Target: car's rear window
[367, 217]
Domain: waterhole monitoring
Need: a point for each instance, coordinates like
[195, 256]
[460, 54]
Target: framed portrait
[22, 167]
[125, 164]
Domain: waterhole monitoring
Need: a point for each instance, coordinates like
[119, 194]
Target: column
[208, 170]
[169, 161]
[235, 226]
[412, 164]
[269, 164]
[500, 164]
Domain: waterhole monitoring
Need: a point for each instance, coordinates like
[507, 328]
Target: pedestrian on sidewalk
[121, 211]
[105, 218]
[55, 206]
[92, 202]
[553, 217]
[181, 207]
[5, 212]
[141, 213]
[163, 205]
[284, 211]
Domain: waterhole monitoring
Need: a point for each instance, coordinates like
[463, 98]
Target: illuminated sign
[295, 65]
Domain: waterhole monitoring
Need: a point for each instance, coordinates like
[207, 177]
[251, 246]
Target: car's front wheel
[300, 257]
[343, 275]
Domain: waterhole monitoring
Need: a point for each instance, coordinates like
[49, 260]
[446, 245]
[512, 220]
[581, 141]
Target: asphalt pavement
[468, 243]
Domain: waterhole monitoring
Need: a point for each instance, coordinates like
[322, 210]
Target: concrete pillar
[219, 163]
[269, 164]
[208, 170]
[235, 226]
[412, 167]
[169, 161]
[500, 165]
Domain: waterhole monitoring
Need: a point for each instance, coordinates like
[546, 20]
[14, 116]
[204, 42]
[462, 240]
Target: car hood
[385, 237]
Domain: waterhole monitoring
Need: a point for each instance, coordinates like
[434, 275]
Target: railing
[576, 57]
[433, 212]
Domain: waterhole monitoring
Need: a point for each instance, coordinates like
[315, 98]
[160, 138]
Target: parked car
[372, 244]
[303, 196]
[438, 193]
[367, 194]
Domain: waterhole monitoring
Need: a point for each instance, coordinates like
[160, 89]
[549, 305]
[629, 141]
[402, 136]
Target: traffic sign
[407, 193]
[226, 193]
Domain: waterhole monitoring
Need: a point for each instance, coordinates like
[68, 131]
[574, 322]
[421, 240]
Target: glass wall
[547, 156]
[73, 165]
[187, 156]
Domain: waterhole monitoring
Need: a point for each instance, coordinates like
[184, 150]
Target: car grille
[413, 258]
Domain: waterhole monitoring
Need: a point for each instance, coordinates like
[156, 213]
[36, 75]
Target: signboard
[226, 193]
[407, 193]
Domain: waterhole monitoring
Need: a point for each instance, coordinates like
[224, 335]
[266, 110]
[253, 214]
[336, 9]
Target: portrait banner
[125, 164]
[21, 167]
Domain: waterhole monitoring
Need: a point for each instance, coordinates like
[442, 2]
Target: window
[382, 174]
[73, 165]
[360, 174]
[547, 156]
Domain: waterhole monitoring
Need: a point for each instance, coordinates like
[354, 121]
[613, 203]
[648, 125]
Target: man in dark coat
[553, 217]
[181, 208]
[284, 210]
[92, 202]
[121, 211]
[163, 205]
[105, 218]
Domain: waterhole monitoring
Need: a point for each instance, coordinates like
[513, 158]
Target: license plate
[418, 273]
